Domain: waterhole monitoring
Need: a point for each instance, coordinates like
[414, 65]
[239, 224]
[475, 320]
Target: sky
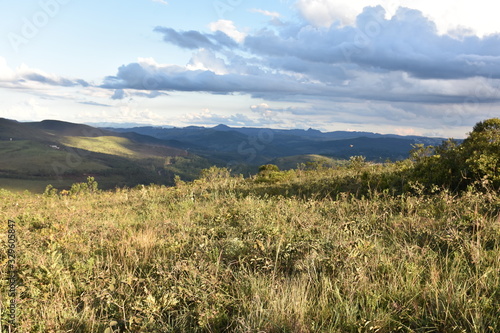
[415, 67]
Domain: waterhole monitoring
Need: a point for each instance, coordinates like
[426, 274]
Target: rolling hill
[61, 153]
[53, 152]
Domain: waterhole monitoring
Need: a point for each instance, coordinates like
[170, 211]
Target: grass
[312, 251]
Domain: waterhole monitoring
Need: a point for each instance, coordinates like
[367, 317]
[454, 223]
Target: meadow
[355, 248]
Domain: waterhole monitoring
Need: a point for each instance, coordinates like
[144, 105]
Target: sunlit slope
[307, 161]
[118, 146]
[29, 158]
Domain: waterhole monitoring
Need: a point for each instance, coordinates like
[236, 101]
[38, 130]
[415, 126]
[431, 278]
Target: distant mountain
[261, 145]
[69, 152]
[119, 125]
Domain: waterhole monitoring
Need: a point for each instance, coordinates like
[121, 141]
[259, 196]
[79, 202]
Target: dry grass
[233, 255]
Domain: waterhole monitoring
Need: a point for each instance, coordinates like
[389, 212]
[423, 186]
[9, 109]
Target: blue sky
[406, 67]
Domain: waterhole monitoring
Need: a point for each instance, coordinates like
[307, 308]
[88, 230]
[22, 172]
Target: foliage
[443, 165]
[456, 166]
[268, 168]
[482, 150]
[90, 187]
[356, 162]
[50, 191]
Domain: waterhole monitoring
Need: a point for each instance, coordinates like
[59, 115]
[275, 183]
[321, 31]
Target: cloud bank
[396, 59]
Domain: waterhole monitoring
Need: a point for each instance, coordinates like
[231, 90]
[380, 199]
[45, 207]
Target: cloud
[207, 118]
[25, 77]
[119, 94]
[382, 68]
[161, 1]
[229, 29]
[146, 75]
[94, 104]
[407, 42]
[449, 18]
[208, 61]
[196, 40]
[266, 13]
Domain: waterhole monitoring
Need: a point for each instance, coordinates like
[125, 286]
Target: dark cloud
[175, 78]
[196, 40]
[95, 104]
[53, 81]
[408, 42]
[119, 94]
[398, 60]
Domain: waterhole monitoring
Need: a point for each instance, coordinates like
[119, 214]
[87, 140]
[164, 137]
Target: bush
[455, 166]
[91, 186]
[481, 151]
[268, 168]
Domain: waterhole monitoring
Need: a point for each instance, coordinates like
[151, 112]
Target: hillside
[54, 152]
[347, 249]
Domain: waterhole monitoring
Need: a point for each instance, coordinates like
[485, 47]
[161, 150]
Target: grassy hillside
[34, 155]
[331, 250]
[28, 158]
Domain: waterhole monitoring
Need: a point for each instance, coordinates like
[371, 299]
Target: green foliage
[90, 187]
[443, 166]
[270, 173]
[357, 162]
[268, 168]
[455, 166]
[215, 173]
[50, 191]
[253, 258]
[482, 150]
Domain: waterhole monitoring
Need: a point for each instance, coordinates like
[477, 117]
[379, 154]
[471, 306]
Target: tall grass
[331, 250]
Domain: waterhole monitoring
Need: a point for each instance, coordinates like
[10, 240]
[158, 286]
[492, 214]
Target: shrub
[91, 186]
[481, 150]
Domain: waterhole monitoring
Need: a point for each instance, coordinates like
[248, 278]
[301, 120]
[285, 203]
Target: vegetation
[458, 166]
[357, 248]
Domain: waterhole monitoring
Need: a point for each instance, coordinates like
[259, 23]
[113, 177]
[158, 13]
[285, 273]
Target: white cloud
[206, 60]
[6, 73]
[449, 16]
[228, 27]
[161, 1]
[207, 118]
[266, 13]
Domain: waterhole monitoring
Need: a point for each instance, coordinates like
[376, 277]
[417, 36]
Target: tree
[481, 150]
[442, 165]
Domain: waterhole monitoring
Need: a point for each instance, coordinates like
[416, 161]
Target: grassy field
[329, 250]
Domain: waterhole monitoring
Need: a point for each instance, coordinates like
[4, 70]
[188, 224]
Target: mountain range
[61, 153]
[263, 145]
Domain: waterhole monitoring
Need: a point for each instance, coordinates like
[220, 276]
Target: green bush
[91, 186]
[481, 150]
[455, 166]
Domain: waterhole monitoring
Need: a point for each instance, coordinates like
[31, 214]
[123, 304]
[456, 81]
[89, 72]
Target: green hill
[60, 153]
